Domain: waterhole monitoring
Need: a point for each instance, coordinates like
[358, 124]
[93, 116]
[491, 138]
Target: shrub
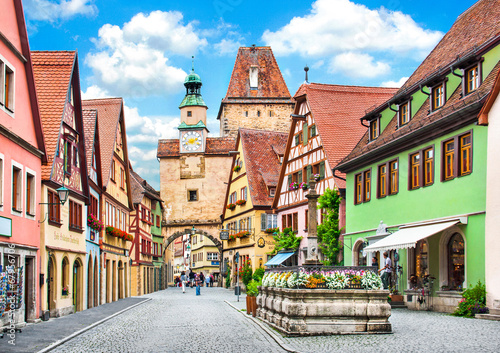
[228, 278]
[246, 272]
[473, 302]
[258, 274]
[252, 288]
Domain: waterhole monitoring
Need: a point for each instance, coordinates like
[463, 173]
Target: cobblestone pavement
[174, 322]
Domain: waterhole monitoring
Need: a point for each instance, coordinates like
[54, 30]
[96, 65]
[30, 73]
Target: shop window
[30, 194]
[17, 182]
[65, 275]
[419, 265]
[456, 263]
[54, 207]
[359, 258]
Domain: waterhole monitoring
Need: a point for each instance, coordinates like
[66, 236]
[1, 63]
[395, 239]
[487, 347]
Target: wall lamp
[62, 194]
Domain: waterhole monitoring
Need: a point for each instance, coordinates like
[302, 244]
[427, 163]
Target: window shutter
[263, 221]
[296, 140]
[299, 176]
[289, 180]
[309, 172]
[304, 131]
[322, 170]
[313, 130]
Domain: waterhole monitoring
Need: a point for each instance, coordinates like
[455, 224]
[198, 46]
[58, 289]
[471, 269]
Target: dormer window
[472, 79]
[254, 77]
[374, 129]
[438, 96]
[272, 192]
[404, 113]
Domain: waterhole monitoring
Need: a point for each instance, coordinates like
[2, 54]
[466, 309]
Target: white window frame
[2, 180]
[32, 200]
[3, 64]
[19, 211]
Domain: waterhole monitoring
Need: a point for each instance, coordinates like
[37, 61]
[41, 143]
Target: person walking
[183, 281]
[387, 274]
[211, 280]
[191, 278]
[202, 278]
[207, 280]
[198, 284]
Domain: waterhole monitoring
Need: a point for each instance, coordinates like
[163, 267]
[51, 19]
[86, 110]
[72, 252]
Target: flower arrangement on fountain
[118, 233]
[94, 223]
[293, 185]
[241, 202]
[335, 279]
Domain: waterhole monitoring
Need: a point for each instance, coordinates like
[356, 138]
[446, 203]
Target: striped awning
[279, 259]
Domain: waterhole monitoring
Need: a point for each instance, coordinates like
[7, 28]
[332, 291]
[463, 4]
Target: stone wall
[273, 116]
[304, 312]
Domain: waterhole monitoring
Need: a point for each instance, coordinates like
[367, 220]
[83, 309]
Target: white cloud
[227, 47]
[53, 11]
[358, 65]
[335, 26]
[134, 60]
[394, 84]
[94, 92]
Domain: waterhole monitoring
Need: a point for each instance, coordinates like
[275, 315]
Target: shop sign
[5, 227]
[113, 249]
[215, 263]
[224, 235]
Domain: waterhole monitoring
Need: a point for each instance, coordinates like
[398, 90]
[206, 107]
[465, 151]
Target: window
[122, 178]
[438, 96]
[17, 182]
[268, 220]
[158, 221]
[299, 139]
[306, 215]
[362, 187]
[404, 113]
[67, 157]
[428, 166]
[192, 195]
[374, 129]
[30, 194]
[246, 114]
[232, 197]
[1, 180]
[295, 224]
[113, 170]
[393, 181]
[271, 114]
[75, 215]
[6, 86]
[472, 79]
[457, 165]
[312, 130]
[421, 168]
[54, 207]
[94, 207]
[358, 197]
[258, 113]
[243, 195]
[189, 113]
[272, 192]
[212, 256]
[456, 262]
[367, 189]
[415, 170]
[382, 180]
[65, 274]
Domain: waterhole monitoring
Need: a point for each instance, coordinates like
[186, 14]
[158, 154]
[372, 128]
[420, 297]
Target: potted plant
[304, 186]
[395, 296]
[252, 292]
[65, 290]
[316, 177]
[293, 185]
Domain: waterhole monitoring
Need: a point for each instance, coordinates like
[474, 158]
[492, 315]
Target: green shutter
[309, 173]
[297, 140]
[304, 130]
[299, 176]
[263, 221]
[289, 181]
[313, 130]
[322, 170]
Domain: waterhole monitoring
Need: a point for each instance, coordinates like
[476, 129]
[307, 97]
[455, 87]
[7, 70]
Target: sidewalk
[35, 337]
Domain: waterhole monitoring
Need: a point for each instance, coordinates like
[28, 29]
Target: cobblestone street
[176, 322]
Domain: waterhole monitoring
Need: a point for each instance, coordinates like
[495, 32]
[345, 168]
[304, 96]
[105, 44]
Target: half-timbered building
[325, 128]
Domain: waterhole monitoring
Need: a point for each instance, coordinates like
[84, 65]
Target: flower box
[242, 234]
[241, 202]
[64, 291]
[272, 230]
[118, 233]
[316, 177]
[94, 223]
[304, 186]
[237, 168]
[231, 206]
[293, 186]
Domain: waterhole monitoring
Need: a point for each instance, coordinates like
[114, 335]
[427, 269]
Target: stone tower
[257, 96]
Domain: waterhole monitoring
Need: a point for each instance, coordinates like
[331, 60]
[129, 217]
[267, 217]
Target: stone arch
[176, 235]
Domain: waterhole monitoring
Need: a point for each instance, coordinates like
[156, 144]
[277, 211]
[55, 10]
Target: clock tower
[193, 130]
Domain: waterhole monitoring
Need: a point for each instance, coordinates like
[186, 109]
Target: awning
[408, 237]
[279, 259]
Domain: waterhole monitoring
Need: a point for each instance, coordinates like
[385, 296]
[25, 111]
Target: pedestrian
[211, 280]
[202, 278]
[207, 280]
[191, 278]
[198, 284]
[183, 281]
[387, 271]
[374, 261]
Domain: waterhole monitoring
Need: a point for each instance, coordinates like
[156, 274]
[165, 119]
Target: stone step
[493, 317]
[495, 311]
[398, 305]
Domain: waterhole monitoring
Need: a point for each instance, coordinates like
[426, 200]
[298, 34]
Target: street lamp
[62, 194]
[193, 231]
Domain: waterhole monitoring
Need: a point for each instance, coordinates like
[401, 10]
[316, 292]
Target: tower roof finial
[306, 69]
[192, 63]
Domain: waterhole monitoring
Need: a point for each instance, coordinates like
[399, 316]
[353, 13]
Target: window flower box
[231, 206]
[94, 223]
[237, 168]
[232, 237]
[118, 233]
[293, 186]
[241, 202]
[304, 186]
[242, 234]
[272, 230]
[316, 177]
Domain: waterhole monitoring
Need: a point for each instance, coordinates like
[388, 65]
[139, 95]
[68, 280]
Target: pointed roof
[141, 188]
[89, 126]
[270, 81]
[261, 162]
[53, 72]
[109, 112]
[336, 110]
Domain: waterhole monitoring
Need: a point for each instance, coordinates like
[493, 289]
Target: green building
[416, 181]
[160, 268]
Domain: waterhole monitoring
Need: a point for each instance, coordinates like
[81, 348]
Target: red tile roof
[141, 188]
[473, 28]
[336, 111]
[89, 120]
[109, 111]
[215, 146]
[52, 71]
[261, 162]
[270, 81]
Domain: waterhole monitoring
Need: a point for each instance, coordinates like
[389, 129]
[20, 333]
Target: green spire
[193, 89]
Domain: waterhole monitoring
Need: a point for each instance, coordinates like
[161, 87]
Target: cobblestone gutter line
[66, 339]
[266, 329]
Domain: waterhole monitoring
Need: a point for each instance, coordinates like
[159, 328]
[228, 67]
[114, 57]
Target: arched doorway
[108, 281]
[456, 262]
[96, 282]
[113, 285]
[90, 283]
[120, 280]
[78, 285]
[51, 284]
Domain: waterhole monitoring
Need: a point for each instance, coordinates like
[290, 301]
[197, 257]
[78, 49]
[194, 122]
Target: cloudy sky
[141, 50]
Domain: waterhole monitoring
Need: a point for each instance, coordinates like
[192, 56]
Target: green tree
[286, 240]
[328, 231]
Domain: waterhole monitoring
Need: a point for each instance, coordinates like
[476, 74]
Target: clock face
[191, 141]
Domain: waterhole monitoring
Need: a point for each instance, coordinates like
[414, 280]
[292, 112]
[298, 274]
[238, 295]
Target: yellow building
[204, 256]
[62, 231]
[249, 197]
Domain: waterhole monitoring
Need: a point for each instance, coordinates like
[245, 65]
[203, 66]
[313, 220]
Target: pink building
[22, 152]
